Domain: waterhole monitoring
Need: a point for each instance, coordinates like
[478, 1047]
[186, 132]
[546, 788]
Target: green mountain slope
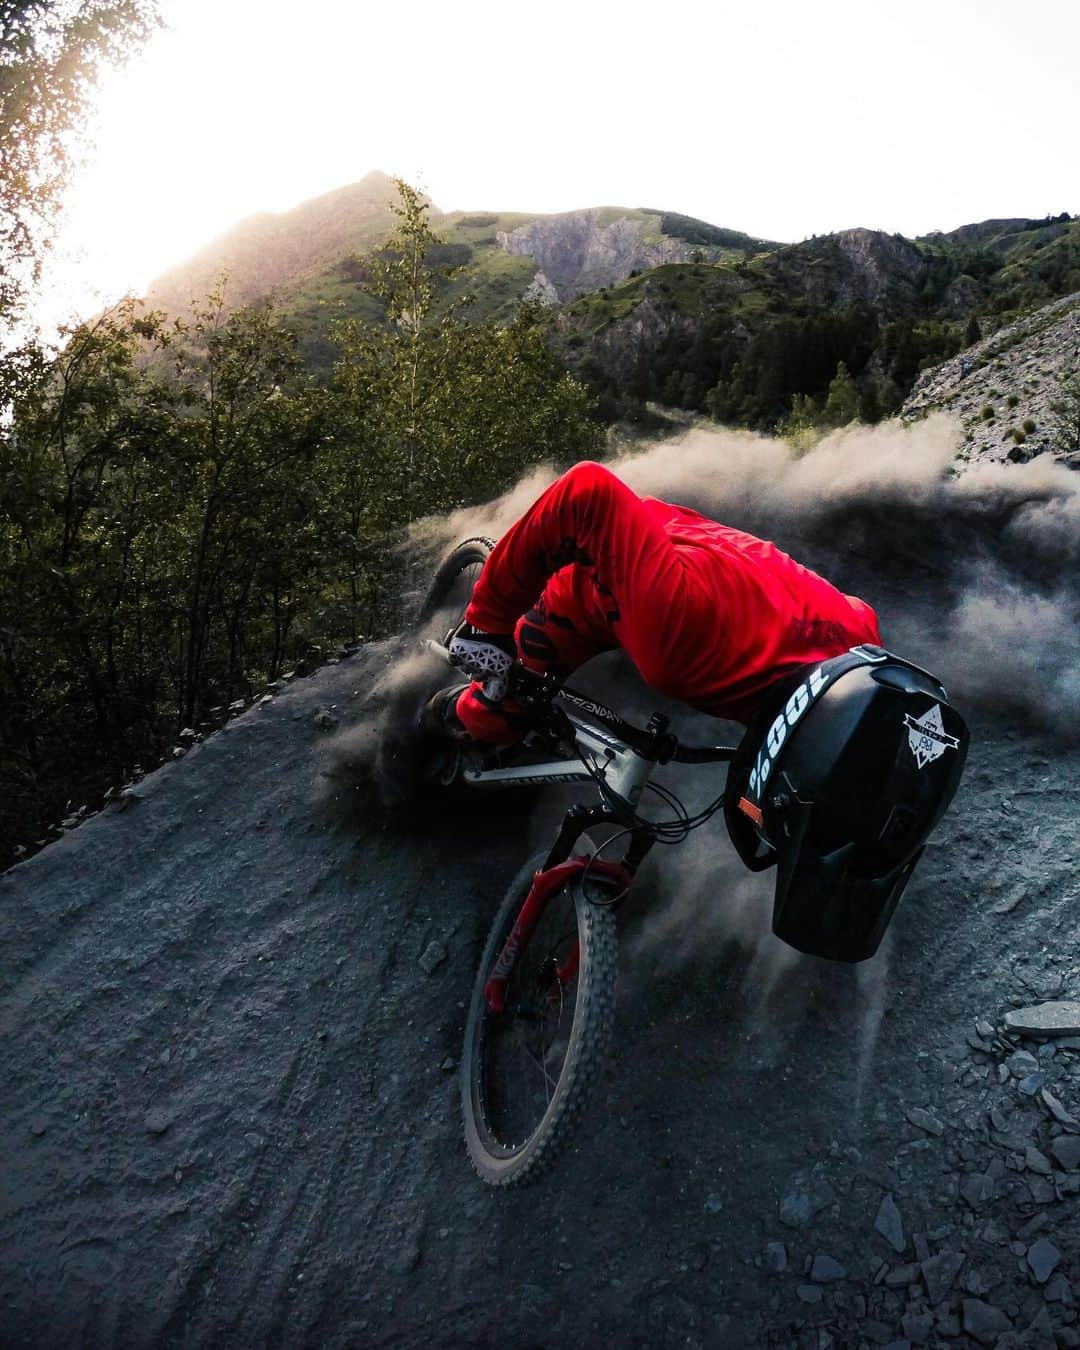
[650, 304]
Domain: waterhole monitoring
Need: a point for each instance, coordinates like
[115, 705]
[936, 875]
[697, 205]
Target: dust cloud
[973, 576]
[972, 573]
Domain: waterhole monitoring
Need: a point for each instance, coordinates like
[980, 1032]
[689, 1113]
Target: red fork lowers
[544, 886]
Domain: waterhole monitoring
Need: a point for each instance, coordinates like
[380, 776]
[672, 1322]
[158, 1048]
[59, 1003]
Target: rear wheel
[527, 1071]
[451, 589]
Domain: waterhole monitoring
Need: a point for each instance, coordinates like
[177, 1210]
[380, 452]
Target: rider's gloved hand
[487, 657]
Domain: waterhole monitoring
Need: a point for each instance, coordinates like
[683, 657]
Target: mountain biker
[710, 615]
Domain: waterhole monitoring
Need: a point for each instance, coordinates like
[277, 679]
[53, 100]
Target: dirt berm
[230, 1111]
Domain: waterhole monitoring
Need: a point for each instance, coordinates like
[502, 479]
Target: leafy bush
[987, 413]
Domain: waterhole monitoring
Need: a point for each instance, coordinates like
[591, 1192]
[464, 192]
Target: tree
[842, 400]
[435, 411]
[51, 54]
[972, 333]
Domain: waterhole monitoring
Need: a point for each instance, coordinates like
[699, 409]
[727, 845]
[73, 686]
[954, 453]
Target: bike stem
[580, 818]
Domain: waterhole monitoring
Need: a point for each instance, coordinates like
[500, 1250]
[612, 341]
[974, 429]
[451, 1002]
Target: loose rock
[1036, 1161]
[775, 1258]
[433, 955]
[1060, 1114]
[803, 1200]
[158, 1120]
[1032, 1083]
[939, 1274]
[825, 1270]
[977, 1189]
[1021, 1063]
[1066, 1149]
[925, 1120]
[1045, 1019]
[1042, 1259]
[983, 1321]
[889, 1224]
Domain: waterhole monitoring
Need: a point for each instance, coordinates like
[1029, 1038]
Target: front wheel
[527, 1071]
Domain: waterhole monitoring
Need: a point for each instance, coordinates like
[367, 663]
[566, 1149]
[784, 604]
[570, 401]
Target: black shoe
[439, 719]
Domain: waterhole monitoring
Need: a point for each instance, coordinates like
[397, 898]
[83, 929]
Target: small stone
[178, 1176]
[901, 1276]
[775, 1258]
[1033, 1225]
[985, 1029]
[825, 1270]
[266, 698]
[977, 1189]
[1066, 1149]
[1040, 1332]
[803, 1200]
[1035, 1161]
[983, 1321]
[1032, 1083]
[1045, 1019]
[1021, 1063]
[448, 1064]
[939, 1274]
[158, 1120]
[1060, 1114]
[433, 955]
[189, 734]
[1058, 1290]
[889, 1224]
[917, 1327]
[924, 1120]
[38, 1126]
[1003, 1073]
[1042, 1259]
[809, 1293]
[324, 719]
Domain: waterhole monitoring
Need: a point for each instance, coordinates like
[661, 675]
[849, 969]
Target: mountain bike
[540, 1019]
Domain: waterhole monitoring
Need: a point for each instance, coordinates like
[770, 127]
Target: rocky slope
[231, 1010]
[1002, 388]
[582, 251]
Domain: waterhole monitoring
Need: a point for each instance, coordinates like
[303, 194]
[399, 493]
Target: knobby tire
[505, 1163]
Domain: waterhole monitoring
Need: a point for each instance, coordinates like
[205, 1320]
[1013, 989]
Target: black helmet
[839, 788]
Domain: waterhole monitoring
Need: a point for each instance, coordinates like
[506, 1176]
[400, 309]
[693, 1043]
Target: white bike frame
[623, 771]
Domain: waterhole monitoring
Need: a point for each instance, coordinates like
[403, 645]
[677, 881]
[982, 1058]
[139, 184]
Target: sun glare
[805, 120]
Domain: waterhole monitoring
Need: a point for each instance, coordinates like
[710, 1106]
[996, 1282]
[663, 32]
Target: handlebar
[654, 742]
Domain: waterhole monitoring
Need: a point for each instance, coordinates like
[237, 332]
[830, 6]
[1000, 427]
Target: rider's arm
[587, 516]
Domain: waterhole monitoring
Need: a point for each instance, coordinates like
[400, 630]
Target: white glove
[486, 657]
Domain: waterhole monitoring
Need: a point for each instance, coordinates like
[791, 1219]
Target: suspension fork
[559, 869]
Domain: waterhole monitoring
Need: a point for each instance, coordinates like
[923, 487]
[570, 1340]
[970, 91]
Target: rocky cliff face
[581, 251]
[852, 267]
[1004, 385]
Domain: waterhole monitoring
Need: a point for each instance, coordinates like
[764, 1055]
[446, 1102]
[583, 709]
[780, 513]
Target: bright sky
[783, 119]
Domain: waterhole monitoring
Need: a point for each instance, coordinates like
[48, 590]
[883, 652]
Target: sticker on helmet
[927, 736]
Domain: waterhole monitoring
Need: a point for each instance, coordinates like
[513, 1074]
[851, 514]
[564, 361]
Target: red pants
[708, 614]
